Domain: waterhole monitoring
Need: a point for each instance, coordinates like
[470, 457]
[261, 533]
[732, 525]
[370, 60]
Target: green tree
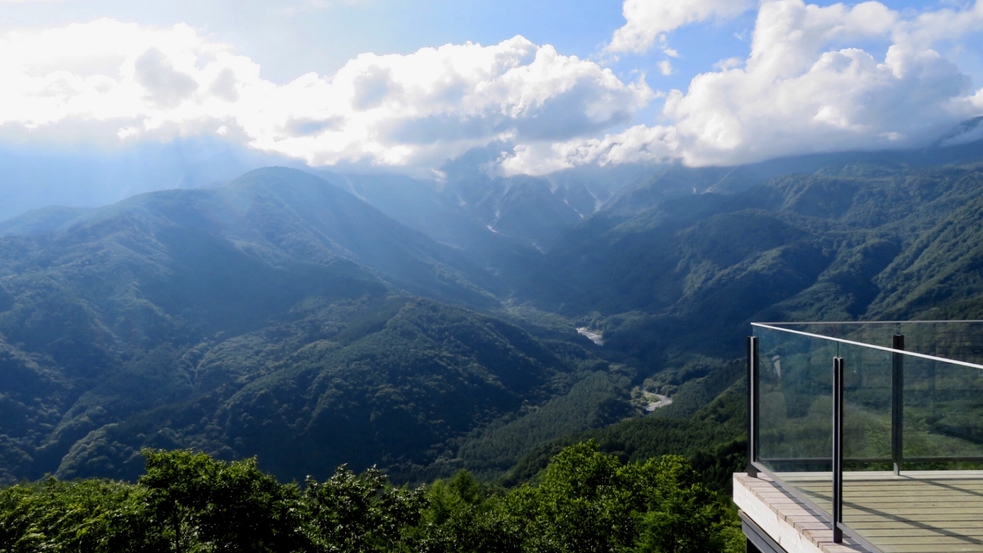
[96, 516]
[201, 504]
[584, 504]
[589, 502]
[462, 516]
[352, 513]
[678, 513]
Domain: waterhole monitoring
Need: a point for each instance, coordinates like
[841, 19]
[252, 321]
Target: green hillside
[394, 384]
[688, 274]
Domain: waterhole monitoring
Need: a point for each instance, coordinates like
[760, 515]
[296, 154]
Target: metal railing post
[897, 404]
[837, 449]
[752, 405]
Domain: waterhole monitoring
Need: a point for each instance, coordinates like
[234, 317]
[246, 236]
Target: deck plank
[916, 512]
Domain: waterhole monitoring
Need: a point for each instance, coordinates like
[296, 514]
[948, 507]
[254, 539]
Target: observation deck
[864, 437]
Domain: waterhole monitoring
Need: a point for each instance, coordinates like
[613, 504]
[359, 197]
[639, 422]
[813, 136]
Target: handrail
[916, 321]
[872, 346]
[871, 460]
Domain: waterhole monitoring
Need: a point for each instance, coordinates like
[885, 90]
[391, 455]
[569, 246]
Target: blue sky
[405, 86]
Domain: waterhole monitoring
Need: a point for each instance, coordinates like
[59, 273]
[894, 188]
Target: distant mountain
[854, 241]
[34, 177]
[472, 209]
[45, 220]
[960, 147]
[276, 215]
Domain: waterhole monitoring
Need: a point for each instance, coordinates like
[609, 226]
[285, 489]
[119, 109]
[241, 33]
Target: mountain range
[313, 319]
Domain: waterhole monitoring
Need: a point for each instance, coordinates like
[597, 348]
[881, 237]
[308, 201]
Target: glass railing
[794, 408]
[829, 401]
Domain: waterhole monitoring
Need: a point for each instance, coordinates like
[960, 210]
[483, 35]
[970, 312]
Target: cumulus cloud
[113, 73]
[810, 83]
[793, 96]
[647, 20]
[413, 111]
[805, 87]
[432, 105]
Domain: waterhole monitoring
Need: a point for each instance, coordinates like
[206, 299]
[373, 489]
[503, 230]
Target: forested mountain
[283, 316]
[271, 317]
[854, 241]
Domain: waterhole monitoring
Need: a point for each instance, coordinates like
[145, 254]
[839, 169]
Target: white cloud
[789, 35]
[941, 25]
[804, 88]
[638, 144]
[810, 83]
[424, 108]
[796, 96]
[646, 20]
[415, 111]
[107, 71]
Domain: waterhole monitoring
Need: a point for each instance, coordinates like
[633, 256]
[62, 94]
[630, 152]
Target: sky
[406, 86]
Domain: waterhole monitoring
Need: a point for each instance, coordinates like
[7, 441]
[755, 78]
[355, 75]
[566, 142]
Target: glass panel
[795, 410]
[958, 340]
[961, 341]
[879, 334]
[943, 411]
[867, 393]
[943, 424]
[866, 408]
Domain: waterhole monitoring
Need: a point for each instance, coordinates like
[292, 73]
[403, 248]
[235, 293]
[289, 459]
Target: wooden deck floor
[916, 512]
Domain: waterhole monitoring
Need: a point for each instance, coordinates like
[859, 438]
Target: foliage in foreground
[189, 502]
